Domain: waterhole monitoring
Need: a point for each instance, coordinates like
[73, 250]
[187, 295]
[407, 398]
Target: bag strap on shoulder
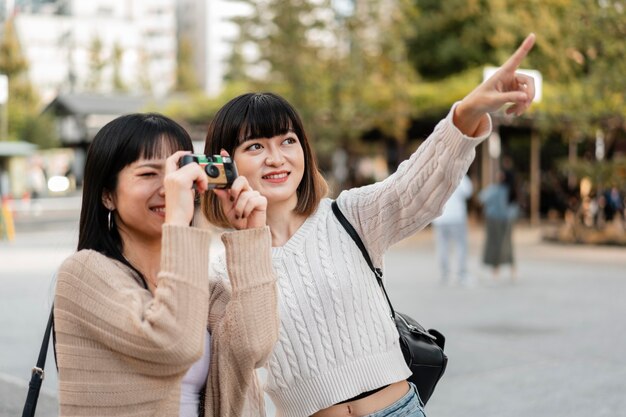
[37, 374]
[378, 273]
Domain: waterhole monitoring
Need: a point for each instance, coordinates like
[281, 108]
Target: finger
[171, 163]
[202, 182]
[251, 203]
[195, 175]
[518, 56]
[238, 186]
[241, 204]
[255, 203]
[223, 152]
[518, 108]
[527, 84]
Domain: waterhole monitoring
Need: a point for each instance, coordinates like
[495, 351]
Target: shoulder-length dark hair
[118, 144]
[261, 115]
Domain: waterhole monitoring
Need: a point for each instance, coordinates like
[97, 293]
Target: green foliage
[186, 79]
[435, 97]
[604, 174]
[594, 96]
[579, 52]
[345, 71]
[41, 130]
[22, 106]
[380, 63]
[198, 109]
[457, 35]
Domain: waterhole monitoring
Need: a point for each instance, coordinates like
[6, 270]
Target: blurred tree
[24, 122]
[116, 63]
[580, 49]
[186, 79]
[97, 63]
[454, 36]
[143, 77]
[287, 59]
[450, 37]
[341, 64]
[598, 49]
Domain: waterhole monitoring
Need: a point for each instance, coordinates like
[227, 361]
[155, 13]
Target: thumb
[513, 97]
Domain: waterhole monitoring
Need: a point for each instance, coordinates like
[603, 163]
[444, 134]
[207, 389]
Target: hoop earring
[110, 220]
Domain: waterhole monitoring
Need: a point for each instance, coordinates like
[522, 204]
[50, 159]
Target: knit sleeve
[388, 211]
[243, 320]
[98, 299]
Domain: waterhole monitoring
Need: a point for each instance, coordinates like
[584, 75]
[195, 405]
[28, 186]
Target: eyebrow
[155, 165]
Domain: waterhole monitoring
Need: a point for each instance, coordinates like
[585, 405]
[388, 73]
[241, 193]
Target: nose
[274, 157]
[162, 190]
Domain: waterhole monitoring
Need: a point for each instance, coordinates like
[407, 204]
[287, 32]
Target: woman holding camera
[141, 329]
[338, 352]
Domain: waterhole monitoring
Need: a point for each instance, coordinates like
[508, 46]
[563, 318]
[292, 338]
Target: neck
[145, 256]
[284, 222]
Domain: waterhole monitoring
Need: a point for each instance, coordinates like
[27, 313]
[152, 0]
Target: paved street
[550, 344]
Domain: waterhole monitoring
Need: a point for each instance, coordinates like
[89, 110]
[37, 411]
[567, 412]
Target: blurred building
[98, 45]
[208, 26]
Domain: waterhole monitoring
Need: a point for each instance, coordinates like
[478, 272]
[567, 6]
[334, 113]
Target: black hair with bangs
[118, 144]
[255, 116]
[268, 116]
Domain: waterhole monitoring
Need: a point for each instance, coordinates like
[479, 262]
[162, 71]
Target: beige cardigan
[123, 351]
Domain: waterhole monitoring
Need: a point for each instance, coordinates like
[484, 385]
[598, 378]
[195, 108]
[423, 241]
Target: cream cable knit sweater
[336, 337]
[122, 351]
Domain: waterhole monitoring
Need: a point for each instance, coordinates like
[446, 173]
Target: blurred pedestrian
[500, 214]
[37, 178]
[614, 206]
[140, 328]
[451, 234]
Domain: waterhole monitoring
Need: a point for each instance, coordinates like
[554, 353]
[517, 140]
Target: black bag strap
[378, 273]
[38, 371]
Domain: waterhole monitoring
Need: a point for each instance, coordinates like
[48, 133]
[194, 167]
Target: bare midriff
[368, 405]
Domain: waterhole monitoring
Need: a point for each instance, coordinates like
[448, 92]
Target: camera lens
[212, 171]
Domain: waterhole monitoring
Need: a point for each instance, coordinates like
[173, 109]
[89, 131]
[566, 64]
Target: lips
[160, 210]
[276, 176]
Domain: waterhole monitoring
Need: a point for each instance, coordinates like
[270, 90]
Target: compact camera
[220, 170]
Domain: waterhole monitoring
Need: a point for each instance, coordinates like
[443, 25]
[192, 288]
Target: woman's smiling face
[273, 166]
[139, 199]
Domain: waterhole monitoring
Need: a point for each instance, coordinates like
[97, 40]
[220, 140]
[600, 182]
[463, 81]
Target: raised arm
[243, 319]
[388, 211]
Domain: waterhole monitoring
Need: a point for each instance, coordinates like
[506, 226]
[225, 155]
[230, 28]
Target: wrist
[466, 119]
[176, 219]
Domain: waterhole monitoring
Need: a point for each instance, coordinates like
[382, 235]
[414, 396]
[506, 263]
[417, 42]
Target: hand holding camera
[244, 207]
[180, 186]
[220, 169]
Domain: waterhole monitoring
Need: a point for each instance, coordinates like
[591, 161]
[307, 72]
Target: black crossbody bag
[422, 349]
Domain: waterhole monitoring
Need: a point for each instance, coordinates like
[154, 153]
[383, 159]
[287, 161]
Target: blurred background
[371, 78]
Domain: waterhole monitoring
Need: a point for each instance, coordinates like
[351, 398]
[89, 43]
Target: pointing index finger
[516, 59]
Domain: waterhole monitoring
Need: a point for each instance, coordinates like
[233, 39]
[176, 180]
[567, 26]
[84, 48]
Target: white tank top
[193, 382]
